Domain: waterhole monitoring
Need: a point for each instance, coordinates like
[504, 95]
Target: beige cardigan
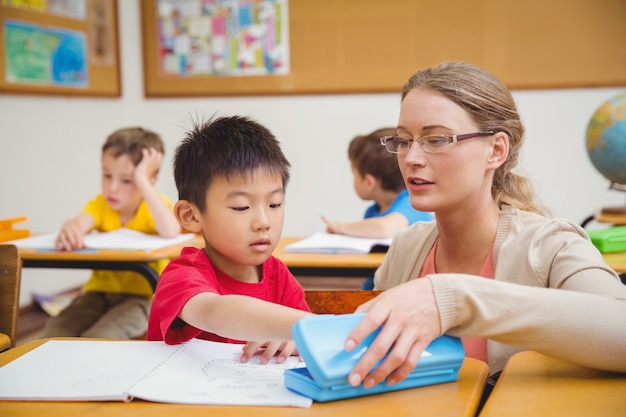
[524, 307]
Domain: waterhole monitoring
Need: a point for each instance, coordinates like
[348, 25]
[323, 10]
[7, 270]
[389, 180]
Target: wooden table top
[616, 260]
[370, 260]
[5, 341]
[534, 385]
[314, 260]
[458, 398]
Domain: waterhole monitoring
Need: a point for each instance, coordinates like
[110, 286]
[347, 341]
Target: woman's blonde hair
[491, 105]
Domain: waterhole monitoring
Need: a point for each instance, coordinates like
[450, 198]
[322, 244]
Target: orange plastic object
[8, 233]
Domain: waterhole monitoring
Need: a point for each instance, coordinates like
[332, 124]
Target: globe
[606, 141]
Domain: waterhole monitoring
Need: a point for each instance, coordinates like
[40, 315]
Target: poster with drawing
[59, 47]
[222, 38]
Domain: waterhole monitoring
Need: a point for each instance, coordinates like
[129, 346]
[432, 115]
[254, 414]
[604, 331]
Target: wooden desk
[328, 264]
[615, 216]
[534, 385]
[131, 260]
[616, 260]
[316, 264]
[118, 260]
[458, 398]
[5, 342]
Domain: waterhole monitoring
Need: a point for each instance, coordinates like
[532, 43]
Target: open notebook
[334, 243]
[125, 239]
[196, 372]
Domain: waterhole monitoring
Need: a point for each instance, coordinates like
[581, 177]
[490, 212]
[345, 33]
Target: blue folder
[320, 341]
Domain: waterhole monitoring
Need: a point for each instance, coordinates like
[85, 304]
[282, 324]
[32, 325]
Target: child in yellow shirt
[116, 304]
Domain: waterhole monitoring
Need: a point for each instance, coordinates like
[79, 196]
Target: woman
[498, 272]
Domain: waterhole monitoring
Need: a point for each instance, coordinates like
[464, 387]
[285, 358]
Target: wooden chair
[10, 274]
[337, 301]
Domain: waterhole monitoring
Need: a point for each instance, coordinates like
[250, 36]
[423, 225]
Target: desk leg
[140, 267]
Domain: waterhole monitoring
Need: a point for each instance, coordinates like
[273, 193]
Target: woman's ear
[188, 216]
[499, 150]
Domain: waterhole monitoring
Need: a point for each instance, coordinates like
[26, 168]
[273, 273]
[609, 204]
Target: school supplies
[195, 372]
[122, 239]
[8, 233]
[612, 239]
[320, 341]
[330, 243]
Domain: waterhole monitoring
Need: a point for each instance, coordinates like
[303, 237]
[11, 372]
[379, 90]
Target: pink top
[475, 347]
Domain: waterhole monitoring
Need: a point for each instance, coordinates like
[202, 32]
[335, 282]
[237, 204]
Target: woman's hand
[410, 318]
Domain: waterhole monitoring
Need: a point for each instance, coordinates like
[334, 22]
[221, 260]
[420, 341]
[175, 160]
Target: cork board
[370, 46]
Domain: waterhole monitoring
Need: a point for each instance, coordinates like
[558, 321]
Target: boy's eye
[277, 205]
[240, 208]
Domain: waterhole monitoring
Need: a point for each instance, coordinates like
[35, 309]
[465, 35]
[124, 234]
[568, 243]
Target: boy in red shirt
[231, 176]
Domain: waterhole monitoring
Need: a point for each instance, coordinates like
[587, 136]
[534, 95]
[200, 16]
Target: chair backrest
[337, 301]
[10, 274]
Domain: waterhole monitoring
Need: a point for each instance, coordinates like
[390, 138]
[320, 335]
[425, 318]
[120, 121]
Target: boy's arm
[164, 219]
[72, 232]
[373, 227]
[241, 317]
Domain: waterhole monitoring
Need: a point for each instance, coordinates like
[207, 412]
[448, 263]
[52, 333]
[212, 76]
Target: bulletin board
[59, 48]
[373, 46]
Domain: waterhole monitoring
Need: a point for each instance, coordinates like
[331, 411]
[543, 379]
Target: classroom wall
[50, 148]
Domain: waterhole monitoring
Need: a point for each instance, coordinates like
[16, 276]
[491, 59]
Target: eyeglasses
[429, 143]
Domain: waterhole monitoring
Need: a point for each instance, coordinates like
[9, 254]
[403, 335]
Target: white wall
[50, 148]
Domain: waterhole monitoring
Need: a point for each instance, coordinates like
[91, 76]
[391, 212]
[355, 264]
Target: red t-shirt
[192, 273]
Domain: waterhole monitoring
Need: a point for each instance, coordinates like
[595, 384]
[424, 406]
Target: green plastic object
[612, 239]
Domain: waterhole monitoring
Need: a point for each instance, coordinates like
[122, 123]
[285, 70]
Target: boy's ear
[188, 216]
[370, 180]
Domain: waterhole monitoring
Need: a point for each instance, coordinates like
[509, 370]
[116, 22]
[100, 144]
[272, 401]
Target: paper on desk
[196, 372]
[124, 239]
[336, 243]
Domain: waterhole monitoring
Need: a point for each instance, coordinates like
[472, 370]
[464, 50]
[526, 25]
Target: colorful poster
[41, 55]
[30, 5]
[223, 37]
[73, 9]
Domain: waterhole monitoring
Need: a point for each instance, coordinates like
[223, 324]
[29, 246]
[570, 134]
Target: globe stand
[614, 215]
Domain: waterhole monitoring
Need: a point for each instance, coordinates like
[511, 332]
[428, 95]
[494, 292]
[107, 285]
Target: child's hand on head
[149, 164]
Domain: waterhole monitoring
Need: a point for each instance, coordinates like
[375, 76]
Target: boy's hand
[331, 227]
[149, 164]
[282, 351]
[70, 237]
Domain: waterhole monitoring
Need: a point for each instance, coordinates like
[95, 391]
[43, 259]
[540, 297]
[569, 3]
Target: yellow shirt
[106, 220]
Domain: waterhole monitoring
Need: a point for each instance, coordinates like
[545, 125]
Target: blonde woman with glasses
[494, 269]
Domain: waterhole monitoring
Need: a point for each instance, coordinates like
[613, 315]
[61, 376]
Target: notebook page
[80, 370]
[328, 243]
[207, 372]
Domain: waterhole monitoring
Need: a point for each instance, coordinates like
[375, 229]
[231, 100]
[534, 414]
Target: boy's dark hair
[224, 146]
[131, 141]
[369, 157]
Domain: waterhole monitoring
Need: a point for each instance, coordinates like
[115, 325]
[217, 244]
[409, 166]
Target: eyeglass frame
[449, 138]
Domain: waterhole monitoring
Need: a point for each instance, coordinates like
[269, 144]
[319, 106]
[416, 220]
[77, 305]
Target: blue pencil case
[320, 341]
